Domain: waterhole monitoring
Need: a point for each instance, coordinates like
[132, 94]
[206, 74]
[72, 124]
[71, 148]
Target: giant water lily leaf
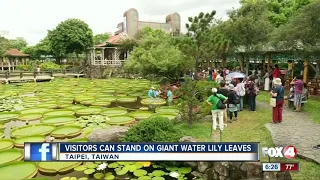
[68, 178]
[153, 101]
[140, 172]
[185, 170]
[57, 167]
[126, 99]
[25, 170]
[37, 129]
[114, 112]
[59, 113]
[7, 116]
[66, 131]
[6, 144]
[35, 110]
[80, 168]
[58, 120]
[19, 142]
[120, 120]
[141, 114]
[30, 117]
[10, 155]
[1, 134]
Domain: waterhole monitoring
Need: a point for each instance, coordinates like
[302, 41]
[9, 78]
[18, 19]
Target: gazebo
[12, 59]
[109, 53]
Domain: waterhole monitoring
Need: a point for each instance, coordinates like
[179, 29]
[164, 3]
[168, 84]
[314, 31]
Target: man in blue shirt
[151, 93]
[169, 97]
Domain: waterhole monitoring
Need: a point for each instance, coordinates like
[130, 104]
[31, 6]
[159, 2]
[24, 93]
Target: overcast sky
[32, 18]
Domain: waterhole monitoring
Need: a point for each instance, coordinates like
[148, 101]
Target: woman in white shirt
[266, 81]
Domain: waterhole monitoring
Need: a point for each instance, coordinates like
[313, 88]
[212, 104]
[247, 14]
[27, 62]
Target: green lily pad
[48, 105]
[30, 117]
[127, 99]
[6, 144]
[59, 113]
[57, 167]
[101, 103]
[10, 155]
[107, 99]
[98, 175]
[7, 116]
[58, 120]
[87, 102]
[141, 114]
[158, 178]
[153, 101]
[88, 111]
[185, 170]
[1, 134]
[92, 165]
[2, 126]
[35, 110]
[158, 173]
[35, 138]
[144, 178]
[37, 129]
[138, 165]
[122, 172]
[80, 168]
[83, 178]
[79, 140]
[75, 107]
[109, 177]
[120, 120]
[169, 116]
[25, 170]
[140, 172]
[113, 165]
[167, 110]
[130, 168]
[114, 112]
[89, 171]
[66, 131]
[68, 178]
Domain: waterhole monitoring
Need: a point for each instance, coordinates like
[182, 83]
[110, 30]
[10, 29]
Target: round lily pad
[101, 103]
[169, 116]
[6, 144]
[158, 178]
[68, 178]
[120, 120]
[59, 113]
[89, 171]
[167, 111]
[10, 155]
[114, 112]
[75, 107]
[140, 172]
[153, 101]
[80, 168]
[141, 114]
[35, 138]
[145, 178]
[126, 99]
[7, 116]
[158, 173]
[35, 110]
[98, 175]
[58, 120]
[113, 165]
[30, 117]
[37, 129]
[122, 172]
[57, 167]
[109, 176]
[48, 105]
[79, 140]
[2, 126]
[66, 131]
[185, 170]
[88, 111]
[87, 102]
[25, 170]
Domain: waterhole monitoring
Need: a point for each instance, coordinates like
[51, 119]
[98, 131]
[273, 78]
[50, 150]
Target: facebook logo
[40, 151]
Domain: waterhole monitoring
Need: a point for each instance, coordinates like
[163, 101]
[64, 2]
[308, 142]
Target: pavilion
[12, 59]
[109, 53]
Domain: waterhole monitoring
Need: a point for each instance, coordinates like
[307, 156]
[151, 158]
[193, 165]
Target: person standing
[252, 93]
[298, 88]
[266, 81]
[169, 97]
[278, 93]
[241, 92]
[224, 91]
[151, 93]
[233, 101]
[213, 101]
[275, 73]
[210, 74]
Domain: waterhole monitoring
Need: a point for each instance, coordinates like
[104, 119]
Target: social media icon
[40, 151]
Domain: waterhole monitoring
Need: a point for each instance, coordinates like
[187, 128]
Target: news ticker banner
[141, 151]
[280, 167]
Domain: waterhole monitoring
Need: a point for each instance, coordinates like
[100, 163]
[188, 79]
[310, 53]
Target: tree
[100, 38]
[70, 36]
[4, 46]
[18, 43]
[251, 29]
[155, 54]
[302, 33]
[42, 48]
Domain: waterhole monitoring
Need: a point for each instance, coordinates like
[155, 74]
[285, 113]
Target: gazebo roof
[114, 40]
[16, 53]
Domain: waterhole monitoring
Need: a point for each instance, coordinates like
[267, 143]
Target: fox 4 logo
[288, 152]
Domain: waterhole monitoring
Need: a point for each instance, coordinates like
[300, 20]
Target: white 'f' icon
[44, 150]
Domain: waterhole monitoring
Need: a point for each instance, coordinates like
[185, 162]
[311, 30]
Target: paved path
[299, 130]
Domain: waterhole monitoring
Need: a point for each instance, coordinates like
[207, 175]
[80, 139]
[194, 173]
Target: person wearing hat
[298, 88]
[216, 111]
[278, 93]
[151, 93]
[233, 101]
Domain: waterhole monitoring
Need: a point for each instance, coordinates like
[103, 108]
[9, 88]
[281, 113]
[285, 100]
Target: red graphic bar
[290, 167]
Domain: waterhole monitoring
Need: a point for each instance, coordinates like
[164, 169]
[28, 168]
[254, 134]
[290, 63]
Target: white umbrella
[234, 75]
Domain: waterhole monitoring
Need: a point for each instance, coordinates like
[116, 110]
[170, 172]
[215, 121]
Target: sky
[31, 19]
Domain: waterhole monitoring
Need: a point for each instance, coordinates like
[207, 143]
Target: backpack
[236, 98]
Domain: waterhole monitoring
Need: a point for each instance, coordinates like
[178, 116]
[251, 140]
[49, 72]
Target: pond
[69, 110]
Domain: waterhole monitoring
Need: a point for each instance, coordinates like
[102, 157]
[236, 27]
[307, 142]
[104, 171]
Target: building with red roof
[13, 58]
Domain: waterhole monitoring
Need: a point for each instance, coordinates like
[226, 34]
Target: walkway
[299, 130]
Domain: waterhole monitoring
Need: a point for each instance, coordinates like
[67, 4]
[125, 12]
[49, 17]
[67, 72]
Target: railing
[22, 74]
[108, 62]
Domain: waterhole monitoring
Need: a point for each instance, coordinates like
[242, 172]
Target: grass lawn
[250, 128]
[312, 107]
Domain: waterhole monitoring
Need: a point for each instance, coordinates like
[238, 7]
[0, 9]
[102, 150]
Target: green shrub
[154, 129]
[47, 66]
[24, 68]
